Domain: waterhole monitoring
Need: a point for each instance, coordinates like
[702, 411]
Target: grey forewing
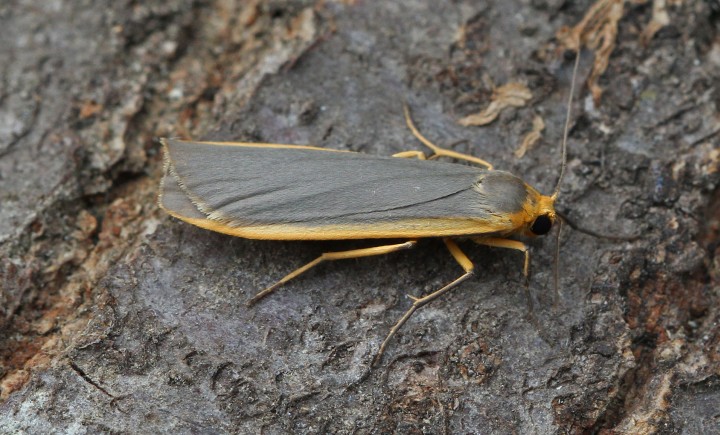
[173, 198]
[262, 185]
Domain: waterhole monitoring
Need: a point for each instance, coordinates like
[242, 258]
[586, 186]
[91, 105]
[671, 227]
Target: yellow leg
[330, 256]
[463, 261]
[411, 154]
[518, 246]
[509, 244]
[440, 152]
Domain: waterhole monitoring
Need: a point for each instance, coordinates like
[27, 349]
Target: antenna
[556, 274]
[567, 124]
[556, 263]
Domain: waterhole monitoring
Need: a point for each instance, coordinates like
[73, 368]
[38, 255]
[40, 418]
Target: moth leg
[519, 246]
[463, 261]
[330, 256]
[411, 154]
[438, 151]
[509, 244]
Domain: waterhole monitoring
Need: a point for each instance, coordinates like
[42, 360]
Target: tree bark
[115, 317]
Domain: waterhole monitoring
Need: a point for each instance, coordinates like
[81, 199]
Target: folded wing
[256, 185]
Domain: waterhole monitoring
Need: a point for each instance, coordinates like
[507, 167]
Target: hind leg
[331, 256]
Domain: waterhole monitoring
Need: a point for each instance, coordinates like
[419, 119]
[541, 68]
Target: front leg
[510, 244]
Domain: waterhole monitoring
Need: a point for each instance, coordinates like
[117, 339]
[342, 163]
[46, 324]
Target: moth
[272, 191]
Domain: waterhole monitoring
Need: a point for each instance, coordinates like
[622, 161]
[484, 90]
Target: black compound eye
[542, 225]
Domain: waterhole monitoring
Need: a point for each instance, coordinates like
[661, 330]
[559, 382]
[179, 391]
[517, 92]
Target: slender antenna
[556, 272]
[566, 131]
[567, 124]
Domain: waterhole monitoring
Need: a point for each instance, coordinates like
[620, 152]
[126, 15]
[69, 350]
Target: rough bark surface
[117, 318]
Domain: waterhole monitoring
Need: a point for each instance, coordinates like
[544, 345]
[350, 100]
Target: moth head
[541, 214]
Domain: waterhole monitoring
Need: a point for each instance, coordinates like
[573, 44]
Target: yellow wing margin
[415, 228]
[257, 145]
